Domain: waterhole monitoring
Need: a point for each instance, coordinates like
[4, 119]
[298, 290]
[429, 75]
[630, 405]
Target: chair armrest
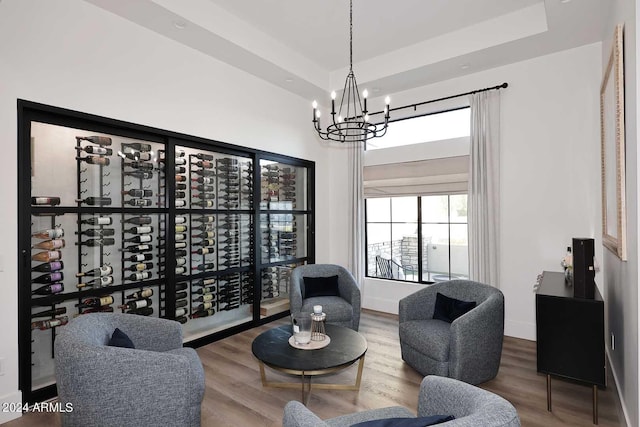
[298, 415]
[476, 338]
[417, 306]
[144, 384]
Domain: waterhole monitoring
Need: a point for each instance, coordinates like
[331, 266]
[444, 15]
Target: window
[417, 238]
[432, 127]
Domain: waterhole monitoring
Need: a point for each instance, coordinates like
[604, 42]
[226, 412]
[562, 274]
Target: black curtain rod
[502, 86]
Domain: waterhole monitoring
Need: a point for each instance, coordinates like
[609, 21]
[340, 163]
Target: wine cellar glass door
[118, 217]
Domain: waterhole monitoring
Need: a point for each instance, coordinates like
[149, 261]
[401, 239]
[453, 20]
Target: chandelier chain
[350, 35]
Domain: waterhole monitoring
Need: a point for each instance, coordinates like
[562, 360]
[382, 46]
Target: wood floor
[235, 397]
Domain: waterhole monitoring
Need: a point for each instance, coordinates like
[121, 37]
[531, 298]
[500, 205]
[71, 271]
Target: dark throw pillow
[449, 309]
[321, 286]
[120, 339]
[407, 422]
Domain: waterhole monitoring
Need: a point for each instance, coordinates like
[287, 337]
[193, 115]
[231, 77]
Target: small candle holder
[317, 326]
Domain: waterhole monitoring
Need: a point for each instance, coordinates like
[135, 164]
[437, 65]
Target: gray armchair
[157, 383]
[342, 310]
[469, 348]
[471, 406]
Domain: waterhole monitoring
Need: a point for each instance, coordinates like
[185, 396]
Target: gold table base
[306, 390]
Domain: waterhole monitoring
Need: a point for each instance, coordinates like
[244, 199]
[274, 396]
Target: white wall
[71, 54]
[550, 172]
[621, 281]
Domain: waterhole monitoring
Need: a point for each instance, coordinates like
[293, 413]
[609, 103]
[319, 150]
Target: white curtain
[484, 188]
[356, 211]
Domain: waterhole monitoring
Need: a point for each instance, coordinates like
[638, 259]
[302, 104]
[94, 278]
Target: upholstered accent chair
[467, 349]
[157, 383]
[342, 309]
[471, 406]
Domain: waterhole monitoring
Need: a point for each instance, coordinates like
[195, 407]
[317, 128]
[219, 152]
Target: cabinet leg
[595, 404]
[548, 392]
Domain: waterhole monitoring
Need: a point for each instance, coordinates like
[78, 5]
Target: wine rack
[148, 222]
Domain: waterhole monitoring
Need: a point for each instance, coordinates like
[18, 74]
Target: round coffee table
[272, 348]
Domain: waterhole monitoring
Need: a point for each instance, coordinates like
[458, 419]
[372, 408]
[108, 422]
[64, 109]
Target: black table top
[272, 347]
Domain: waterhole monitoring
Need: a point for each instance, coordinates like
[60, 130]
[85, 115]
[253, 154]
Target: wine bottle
[137, 156]
[204, 227]
[181, 286]
[180, 295]
[56, 276]
[140, 257]
[180, 312]
[181, 169]
[144, 311]
[204, 235]
[140, 174]
[204, 196]
[90, 149]
[48, 267]
[98, 282]
[203, 313]
[49, 244]
[180, 203]
[182, 319]
[204, 282]
[205, 290]
[47, 256]
[98, 220]
[99, 232]
[95, 201]
[105, 309]
[180, 261]
[181, 186]
[140, 303]
[50, 289]
[204, 173]
[140, 266]
[203, 204]
[52, 233]
[206, 242]
[203, 188]
[134, 192]
[138, 220]
[181, 303]
[229, 161]
[204, 298]
[180, 245]
[143, 293]
[139, 146]
[181, 178]
[181, 220]
[138, 202]
[206, 266]
[140, 229]
[205, 219]
[181, 228]
[180, 194]
[45, 200]
[202, 156]
[95, 160]
[100, 140]
[180, 271]
[180, 237]
[181, 253]
[143, 238]
[140, 275]
[203, 180]
[137, 248]
[204, 306]
[99, 242]
[94, 302]
[104, 270]
[205, 164]
[179, 161]
[204, 251]
[142, 166]
[48, 324]
[50, 313]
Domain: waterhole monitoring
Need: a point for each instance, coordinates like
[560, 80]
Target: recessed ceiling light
[181, 25]
[565, 1]
[465, 66]
[288, 80]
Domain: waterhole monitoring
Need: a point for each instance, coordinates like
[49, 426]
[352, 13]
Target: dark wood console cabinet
[569, 335]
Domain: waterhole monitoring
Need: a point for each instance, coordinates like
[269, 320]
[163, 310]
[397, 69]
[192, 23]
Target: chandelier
[352, 123]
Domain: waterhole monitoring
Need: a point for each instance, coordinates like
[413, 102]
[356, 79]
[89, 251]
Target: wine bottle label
[207, 297]
[180, 245]
[181, 228]
[45, 201]
[180, 161]
[56, 276]
[56, 288]
[181, 312]
[140, 303]
[180, 203]
[181, 270]
[56, 265]
[206, 306]
[141, 230]
[181, 220]
[180, 261]
[106, 280]
[145, 238]
[141, 267]
[106, 300]
[103, 220]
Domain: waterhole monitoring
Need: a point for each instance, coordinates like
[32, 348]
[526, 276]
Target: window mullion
[420, 244]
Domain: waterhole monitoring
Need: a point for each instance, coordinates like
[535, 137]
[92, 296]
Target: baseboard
[380, 304]
[6, 402]
[622, 409]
